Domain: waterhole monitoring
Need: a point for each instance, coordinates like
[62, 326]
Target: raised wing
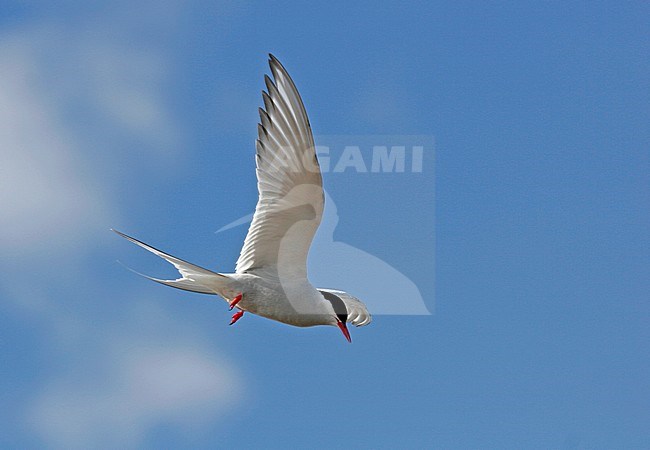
[290, 205]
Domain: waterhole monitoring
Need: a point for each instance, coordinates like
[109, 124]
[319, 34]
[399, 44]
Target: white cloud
[75, 95]
[146, 372]
[125, 85]
[46, 190]
[74, 90]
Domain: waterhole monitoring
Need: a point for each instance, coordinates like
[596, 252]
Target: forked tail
[193, 278]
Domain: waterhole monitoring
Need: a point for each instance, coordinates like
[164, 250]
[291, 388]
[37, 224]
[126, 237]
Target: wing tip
[275, 65]
[273, 62]
[119, 233]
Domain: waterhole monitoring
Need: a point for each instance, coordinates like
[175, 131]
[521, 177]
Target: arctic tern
[270, 277]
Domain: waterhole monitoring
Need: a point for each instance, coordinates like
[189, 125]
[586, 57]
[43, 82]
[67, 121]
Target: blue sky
[526, 235]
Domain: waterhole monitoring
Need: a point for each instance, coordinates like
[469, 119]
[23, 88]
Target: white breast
[294, 302]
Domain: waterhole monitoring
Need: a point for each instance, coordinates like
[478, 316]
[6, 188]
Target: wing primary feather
[289, 183]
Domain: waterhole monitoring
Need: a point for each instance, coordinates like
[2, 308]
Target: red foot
[235, 301]
[236, 316]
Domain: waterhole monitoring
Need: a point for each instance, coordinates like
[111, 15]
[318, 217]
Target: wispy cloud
[69, 95]
[75, 95]
[142, 372]
[47, 191]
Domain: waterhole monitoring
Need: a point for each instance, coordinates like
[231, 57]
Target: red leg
[235, 300]
[236, 316]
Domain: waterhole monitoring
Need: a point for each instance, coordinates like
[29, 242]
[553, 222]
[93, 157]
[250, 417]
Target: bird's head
[339, 315]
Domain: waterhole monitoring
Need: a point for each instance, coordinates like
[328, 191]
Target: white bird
[270, 277]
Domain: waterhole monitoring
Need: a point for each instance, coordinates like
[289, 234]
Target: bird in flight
[270, 277]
